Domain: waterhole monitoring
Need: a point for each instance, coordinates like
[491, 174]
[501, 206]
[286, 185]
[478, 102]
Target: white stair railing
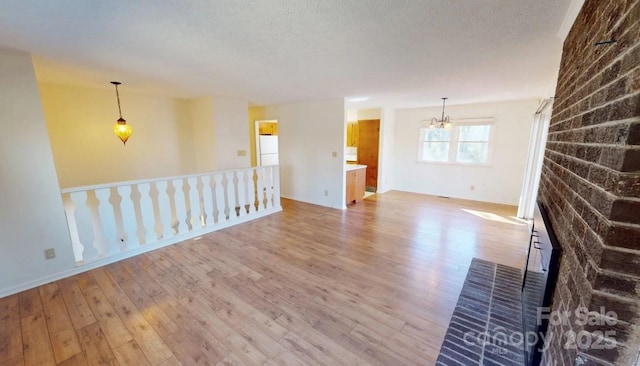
[119, 220]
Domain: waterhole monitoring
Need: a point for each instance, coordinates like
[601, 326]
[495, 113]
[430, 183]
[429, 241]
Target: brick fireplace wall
[591, 184]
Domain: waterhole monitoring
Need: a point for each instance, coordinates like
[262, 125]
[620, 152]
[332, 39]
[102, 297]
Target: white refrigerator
[268, 150]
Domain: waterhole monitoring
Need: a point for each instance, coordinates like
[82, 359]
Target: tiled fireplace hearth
[486, 326]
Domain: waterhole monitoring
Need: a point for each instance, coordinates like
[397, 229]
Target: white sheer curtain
[537, 142]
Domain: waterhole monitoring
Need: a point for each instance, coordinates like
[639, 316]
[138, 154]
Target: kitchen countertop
[349, 167]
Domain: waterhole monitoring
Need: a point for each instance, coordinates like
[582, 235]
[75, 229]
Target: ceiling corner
[569, 18]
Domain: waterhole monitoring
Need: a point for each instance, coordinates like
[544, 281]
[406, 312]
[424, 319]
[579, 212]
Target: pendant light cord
[118, 98]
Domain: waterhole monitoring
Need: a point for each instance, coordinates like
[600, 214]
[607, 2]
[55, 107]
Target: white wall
[231, 133]
[386, 170]
[204, 132]
[373, 113]
[308, 135]
[86, 151]
[500, 182]
[31, 213]
[352, 115]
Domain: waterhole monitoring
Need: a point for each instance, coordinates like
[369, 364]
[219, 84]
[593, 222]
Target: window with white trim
[464, 143]
[436, 143]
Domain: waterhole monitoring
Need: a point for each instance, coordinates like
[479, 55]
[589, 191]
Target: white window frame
[453, 143]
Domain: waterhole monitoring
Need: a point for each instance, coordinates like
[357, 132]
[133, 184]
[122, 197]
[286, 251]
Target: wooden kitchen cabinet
[355, 181]
[351, 186]
[361, 177]
[352, 134]
[268, 128]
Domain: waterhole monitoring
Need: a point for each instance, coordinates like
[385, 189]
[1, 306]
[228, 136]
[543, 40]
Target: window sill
[454, 163]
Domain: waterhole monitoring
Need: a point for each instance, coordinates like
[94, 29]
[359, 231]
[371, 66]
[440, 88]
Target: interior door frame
[535, 158]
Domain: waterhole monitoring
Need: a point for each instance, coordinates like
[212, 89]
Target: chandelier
[443, 122]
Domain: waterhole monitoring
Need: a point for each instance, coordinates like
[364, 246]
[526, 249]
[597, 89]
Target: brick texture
[590, 182]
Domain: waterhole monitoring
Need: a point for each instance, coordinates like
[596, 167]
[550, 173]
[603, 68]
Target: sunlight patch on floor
[493, 217]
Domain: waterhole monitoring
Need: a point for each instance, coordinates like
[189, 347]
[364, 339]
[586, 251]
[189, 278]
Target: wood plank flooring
[373, 285]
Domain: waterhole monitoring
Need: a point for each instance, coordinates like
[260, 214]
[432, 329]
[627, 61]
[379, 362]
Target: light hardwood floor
[375, 284]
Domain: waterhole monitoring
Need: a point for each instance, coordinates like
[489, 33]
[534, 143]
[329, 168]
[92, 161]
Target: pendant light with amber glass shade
[121, 128]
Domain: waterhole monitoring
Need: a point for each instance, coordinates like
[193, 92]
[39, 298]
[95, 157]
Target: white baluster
[276, 187]
[157, 221]
[246, 207]
[84, 223]
[259, 187]
[99, 242]
[70, 211]
[207, 200]
[108, 220]
[128, 212]
[225, 190]
[253, 188]
[268, 183]
[180, 221]
[238, 183]
[164, 209]
[234, 203]
[218, 198]
[194, 203]
[141, 231]
[115, 200]
[202, 218]
[146, 214]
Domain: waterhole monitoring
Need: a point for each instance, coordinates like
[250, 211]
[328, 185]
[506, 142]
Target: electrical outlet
[326, 193]
[472, 187]
[49, 253]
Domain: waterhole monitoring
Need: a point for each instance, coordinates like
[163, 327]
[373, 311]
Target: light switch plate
[242, 152]
[49, 253]
[334, 154]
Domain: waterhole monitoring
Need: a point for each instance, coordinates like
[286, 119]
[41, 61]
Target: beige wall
[204, 131]
[86, 151]
[232, 134]
[308, 136]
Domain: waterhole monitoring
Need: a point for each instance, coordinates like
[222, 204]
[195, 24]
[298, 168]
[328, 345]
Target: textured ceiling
[398, 52]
